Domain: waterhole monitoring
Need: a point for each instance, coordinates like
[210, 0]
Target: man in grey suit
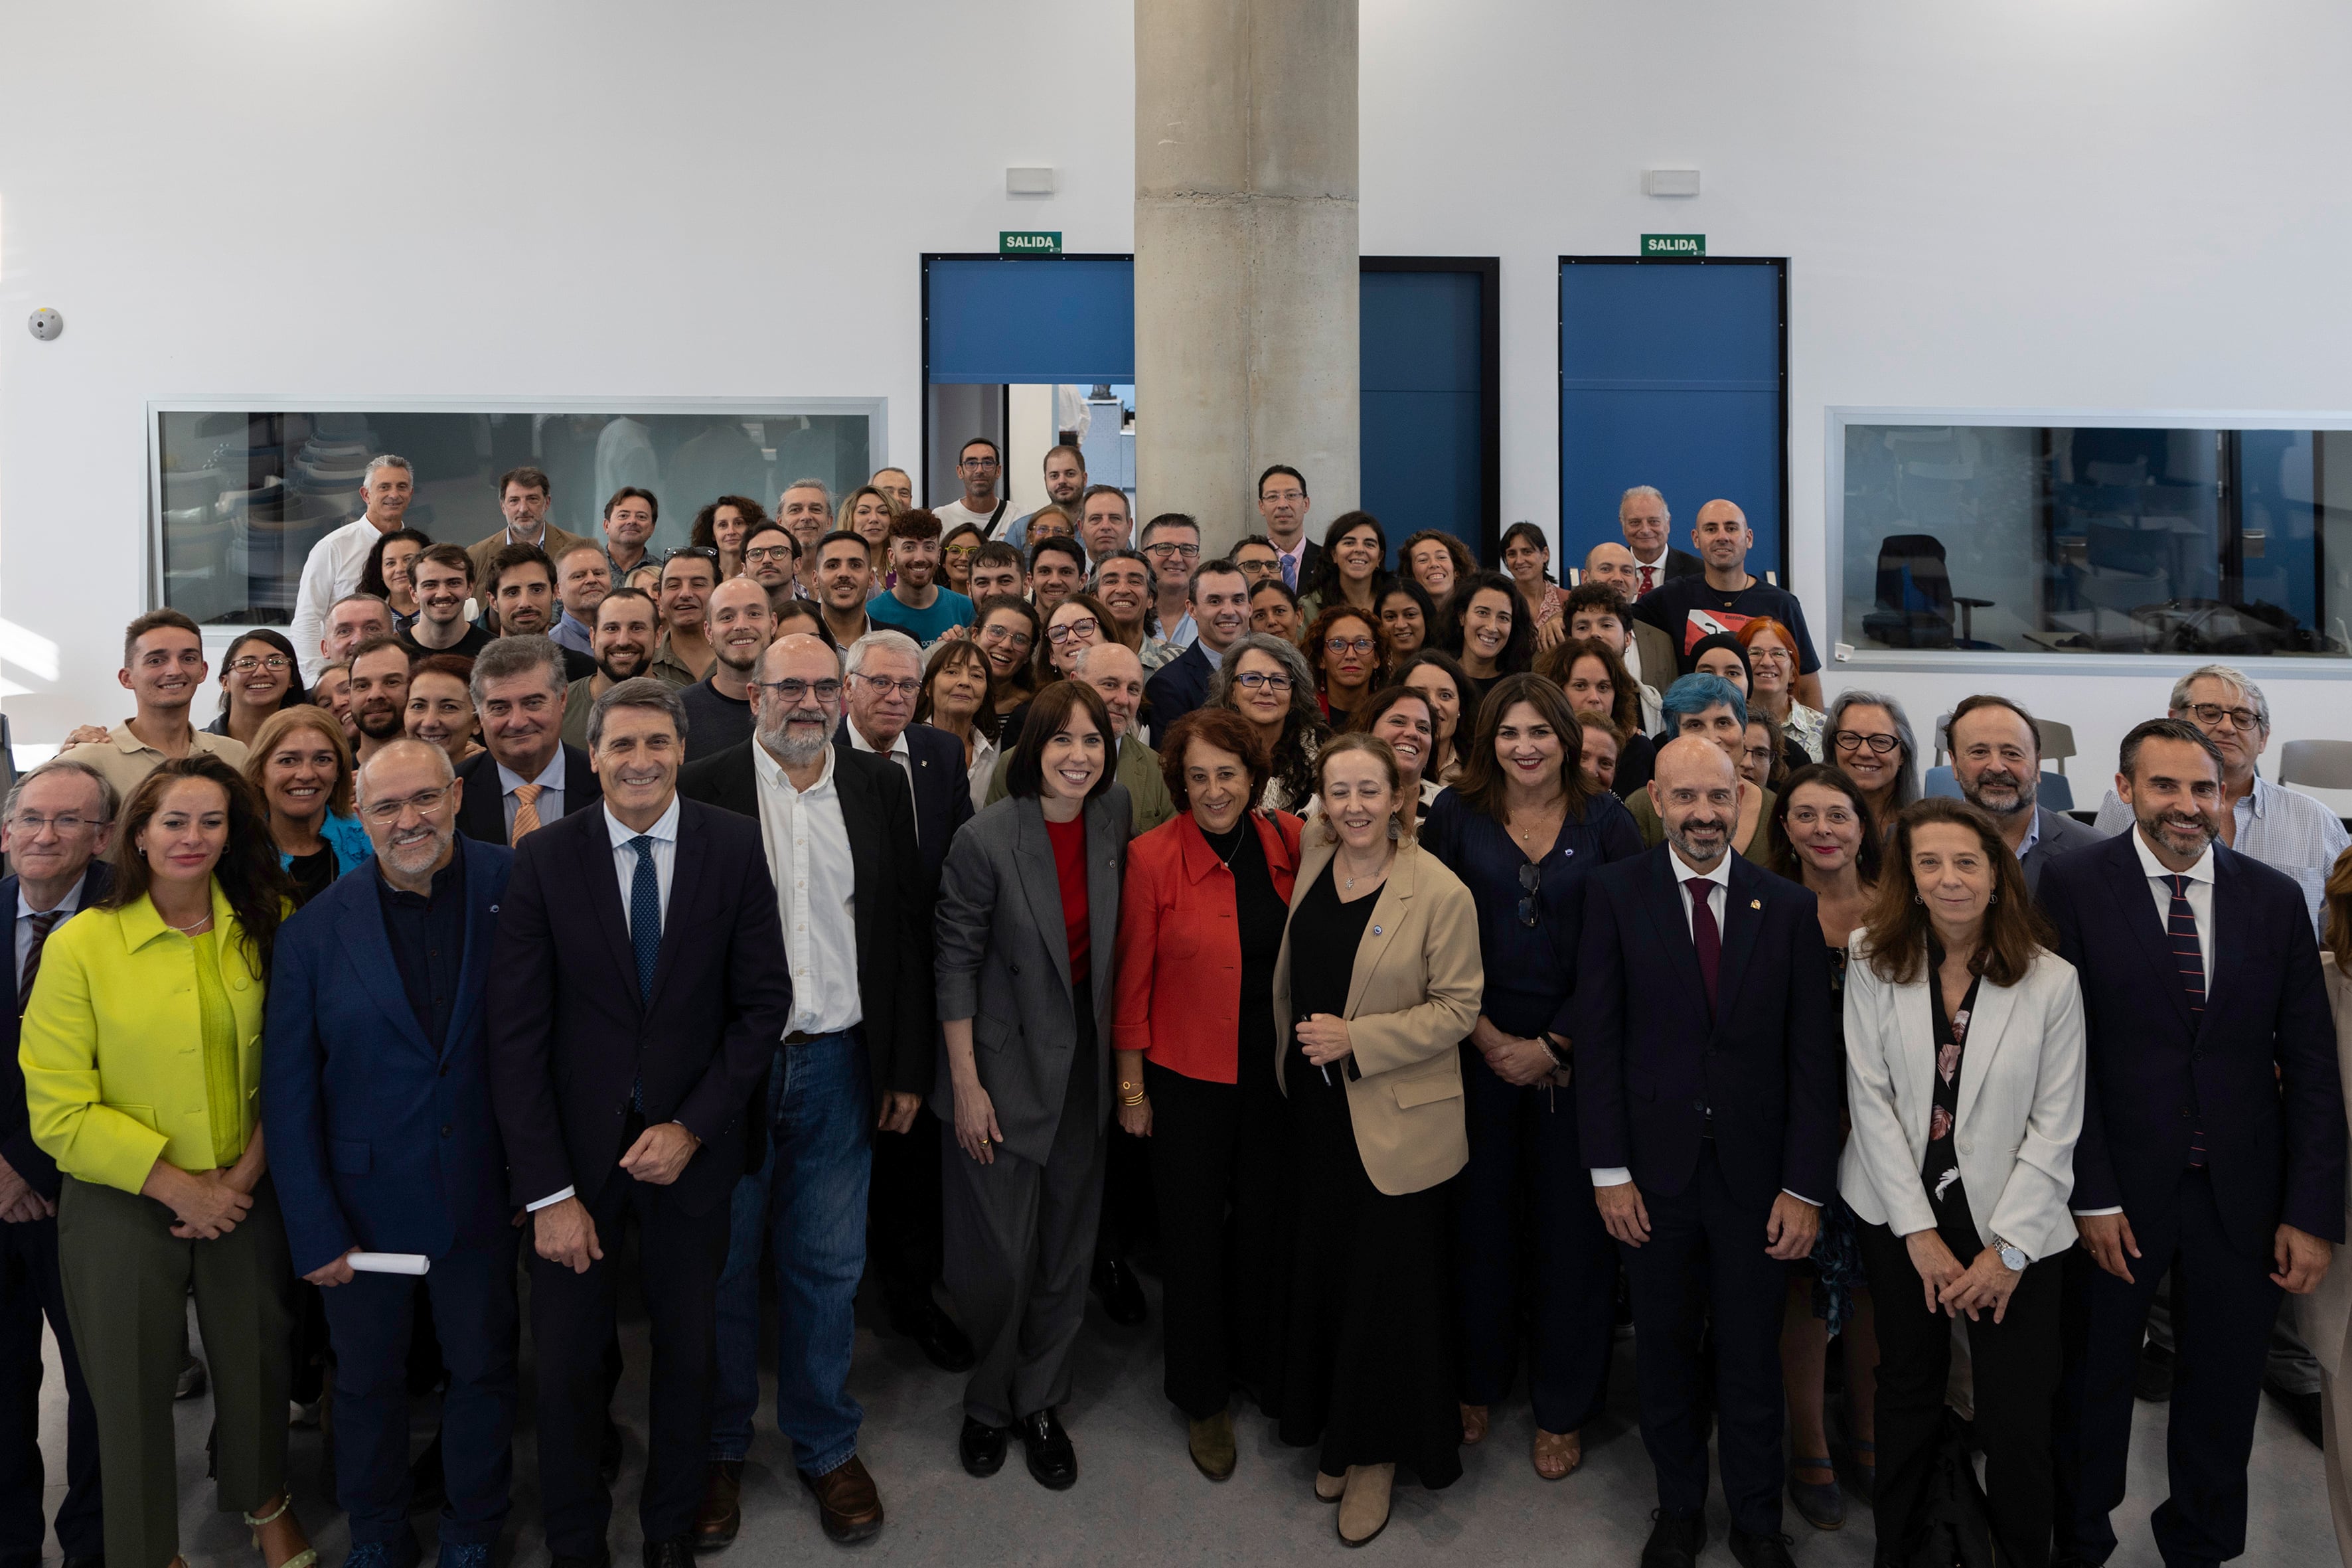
[1997, 760]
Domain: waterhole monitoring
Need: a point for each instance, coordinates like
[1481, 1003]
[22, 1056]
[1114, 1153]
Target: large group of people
[1433, 972]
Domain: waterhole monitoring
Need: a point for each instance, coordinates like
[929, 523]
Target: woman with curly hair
[387, 573]
[1488, 630]
[723, 525]
[1267, 682]
[1435, 560]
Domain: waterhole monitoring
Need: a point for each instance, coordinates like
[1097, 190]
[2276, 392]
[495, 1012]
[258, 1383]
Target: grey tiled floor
[1139, 1502]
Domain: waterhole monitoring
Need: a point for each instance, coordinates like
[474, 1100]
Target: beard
[797, 747]
[378, 724]
[620, 663]
[421, 855]
[2022, 794]
[2183, 833]
[1687, 837]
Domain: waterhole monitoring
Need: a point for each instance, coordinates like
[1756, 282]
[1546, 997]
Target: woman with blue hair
[1713, 709]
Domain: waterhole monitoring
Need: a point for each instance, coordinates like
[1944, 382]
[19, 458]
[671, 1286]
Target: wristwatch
[2013, 1259]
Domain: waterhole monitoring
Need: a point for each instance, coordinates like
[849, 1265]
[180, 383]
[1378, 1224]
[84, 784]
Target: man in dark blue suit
[883, 675]
[375, 1095]
[1707, 1078]
[56, 820]
[1218, 596]
[526, 777]
[638, 991]
[2213, 1141]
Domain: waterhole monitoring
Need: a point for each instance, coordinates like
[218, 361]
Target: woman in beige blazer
[1965, 1080]
[1377, 981]
[2324, 1318]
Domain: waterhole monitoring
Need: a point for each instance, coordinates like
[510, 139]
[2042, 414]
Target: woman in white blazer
[1964, 1071]
[2324, 1318]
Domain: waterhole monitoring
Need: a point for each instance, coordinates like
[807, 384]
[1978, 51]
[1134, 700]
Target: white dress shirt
[899, 752]
[664, 833]
[816, 893]
[332, 571]
[24, 913]
[2285, 830]
[550, 798]
[1718, 897]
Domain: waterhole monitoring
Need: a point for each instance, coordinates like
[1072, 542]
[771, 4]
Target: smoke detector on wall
[1670, 182]
[46, 324]
[1028, 181]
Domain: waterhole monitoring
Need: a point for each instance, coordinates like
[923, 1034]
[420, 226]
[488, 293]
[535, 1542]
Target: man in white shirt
[979, 465]
[336, 562]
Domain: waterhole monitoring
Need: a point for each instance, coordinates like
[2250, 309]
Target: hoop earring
[1993, 898]
[1917, 899]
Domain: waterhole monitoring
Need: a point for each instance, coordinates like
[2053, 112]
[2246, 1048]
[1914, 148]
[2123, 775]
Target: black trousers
[1216, 1170]
[573, 1319]
[1705, 1259]
[902, 1218]
[2017, 1364]
[2223, 1305]
[30, 1290]
[1531, 1258]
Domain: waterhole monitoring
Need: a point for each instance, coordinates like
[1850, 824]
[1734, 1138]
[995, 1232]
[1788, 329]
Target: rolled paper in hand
[388, 1262]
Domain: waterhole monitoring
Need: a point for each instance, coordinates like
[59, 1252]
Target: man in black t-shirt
[1725, 597]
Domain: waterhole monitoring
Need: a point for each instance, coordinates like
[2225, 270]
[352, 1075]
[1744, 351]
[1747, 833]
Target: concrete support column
[1245, 255]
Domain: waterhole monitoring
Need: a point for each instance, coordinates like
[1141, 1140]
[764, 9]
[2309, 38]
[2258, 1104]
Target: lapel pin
[1755, 903]
[1376, 931]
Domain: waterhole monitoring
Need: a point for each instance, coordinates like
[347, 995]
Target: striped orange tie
[525, 811]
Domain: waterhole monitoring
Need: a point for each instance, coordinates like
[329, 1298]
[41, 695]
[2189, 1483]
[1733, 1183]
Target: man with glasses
[1217, 593]
[1171, 544]
[1255, 553]
[54, 829]
[378, 1034]
[443, 578]
[844, 573]
[980, 464]
[582, 578]
[1066, 483]
[884, 676]
[916, 602]
[1282, 502]
[527, 777]
[718, 706]
[1057, 569]
[772, 558]
[844, 1086]
[684, 655]
[162, 667]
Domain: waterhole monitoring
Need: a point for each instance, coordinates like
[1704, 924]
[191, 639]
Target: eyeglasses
[1530, 883]
[778, 553]
[32, 827]
[1347, 645]
[979, 463]
[1254, 679]
[1762, 754]
[1854, 741]
[1083, 627]
[1770, 656]
[906, 686]
[792, 691]
[1165, 549]
[384, 812]
[954, 552]
[2213, 713]
[1006, 634]
[276, 664]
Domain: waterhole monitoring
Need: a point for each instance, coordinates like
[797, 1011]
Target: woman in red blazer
[1201, 921]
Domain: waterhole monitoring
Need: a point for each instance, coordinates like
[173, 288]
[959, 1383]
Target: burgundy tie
[1705, 935]
[1648, 579]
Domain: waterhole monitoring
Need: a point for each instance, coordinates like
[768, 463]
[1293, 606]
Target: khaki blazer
[1411, 1001]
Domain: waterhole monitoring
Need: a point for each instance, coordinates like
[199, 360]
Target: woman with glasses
[1761, 760]
[958, 697]
[1823, 841]
[143, 1062]
[387, 573]
[722, 526]
[1079, 621]
[956, 550]
[1772, 665]
[1601, 693]
[1407, 720]
[302, 768]
[1351, 568]
[1527, 556]
[1346, 650]
[1488, 631]
[1047, 522]
[1870, 737]
[1008, 630]
[1406, 615]
[1267, 682]
[1523, 830]
[259, 677]
[1435, 561]
[440, 710]
[866, 511]
[1377, 982]
[1440, 677]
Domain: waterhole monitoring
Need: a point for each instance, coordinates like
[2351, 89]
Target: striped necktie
[42, 926]
[525, 811]
[2180, 929]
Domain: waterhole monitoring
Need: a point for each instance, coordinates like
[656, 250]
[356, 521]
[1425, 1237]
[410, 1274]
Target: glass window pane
[245, 494]
[2036, 539]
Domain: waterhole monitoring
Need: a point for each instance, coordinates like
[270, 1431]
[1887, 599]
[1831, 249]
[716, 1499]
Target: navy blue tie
[644, 933]
[2180, 929]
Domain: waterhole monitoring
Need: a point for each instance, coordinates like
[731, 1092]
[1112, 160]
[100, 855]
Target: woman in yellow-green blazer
[141, 1051]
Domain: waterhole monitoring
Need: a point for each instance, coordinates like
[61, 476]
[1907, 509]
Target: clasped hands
[1518, 1061]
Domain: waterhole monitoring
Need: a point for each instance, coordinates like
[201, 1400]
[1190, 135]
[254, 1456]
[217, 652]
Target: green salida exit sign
[1674, 245]
[1028, 242]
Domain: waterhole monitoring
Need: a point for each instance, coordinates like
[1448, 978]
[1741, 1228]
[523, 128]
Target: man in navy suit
[2213, 1141]
[527, 777]
[1707, 1079]
[375, 1094]
[57, 821]
[637, 992]
[1218, 596]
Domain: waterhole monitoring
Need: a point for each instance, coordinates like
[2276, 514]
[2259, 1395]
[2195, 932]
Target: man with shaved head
[1726, 596]
[1707, 1074]
[377, 1041]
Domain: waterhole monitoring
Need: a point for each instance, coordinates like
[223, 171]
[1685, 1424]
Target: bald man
[1649, 653]
[1726, 596]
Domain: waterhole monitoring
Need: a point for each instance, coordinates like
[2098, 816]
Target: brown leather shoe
[720, 1513]
[847, 1502]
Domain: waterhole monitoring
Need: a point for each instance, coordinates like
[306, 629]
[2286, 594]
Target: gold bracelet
[1138, 1098]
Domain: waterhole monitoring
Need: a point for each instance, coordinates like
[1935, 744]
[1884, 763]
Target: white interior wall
[2060, 204]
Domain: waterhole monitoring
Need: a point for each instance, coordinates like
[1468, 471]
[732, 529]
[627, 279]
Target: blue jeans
[809, 1193]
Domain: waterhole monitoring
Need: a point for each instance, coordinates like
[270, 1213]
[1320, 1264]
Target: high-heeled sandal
[1475, 1421]
[306, 1558]
[1563, 1450]
[1821, 1503]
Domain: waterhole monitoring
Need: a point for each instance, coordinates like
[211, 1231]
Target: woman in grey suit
[1028, 925]
[1964, 1079]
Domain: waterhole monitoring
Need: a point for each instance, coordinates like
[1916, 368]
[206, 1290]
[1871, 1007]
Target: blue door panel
[1422, 379]
[1031, 319]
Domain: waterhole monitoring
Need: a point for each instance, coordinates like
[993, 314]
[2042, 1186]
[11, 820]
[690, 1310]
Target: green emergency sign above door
[1028, 242]
[1655, 247]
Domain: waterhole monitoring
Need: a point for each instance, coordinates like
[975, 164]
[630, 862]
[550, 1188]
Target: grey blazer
[2060, 834]
[1004, 963]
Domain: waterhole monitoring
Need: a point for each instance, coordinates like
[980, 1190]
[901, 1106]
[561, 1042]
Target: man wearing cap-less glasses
[979, 465]
[1171, 544]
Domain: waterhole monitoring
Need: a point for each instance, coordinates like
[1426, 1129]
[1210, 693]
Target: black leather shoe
[426, 1489]
[1675, 1542]
[1052, 1460]
[981, 1447]
[1761, 1550]
[677, 1552]
[608, 1456]
[1122, 1297]
[2152, 1378]
[604, 1559]
[943, 1344]
[2305, 1409]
